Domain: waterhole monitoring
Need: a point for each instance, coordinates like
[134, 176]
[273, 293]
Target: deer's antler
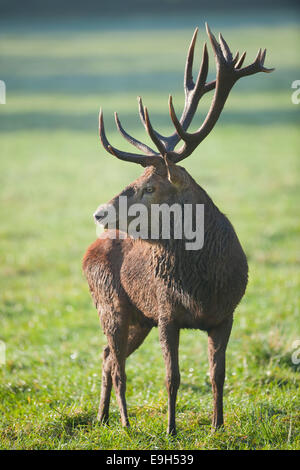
[228, 72]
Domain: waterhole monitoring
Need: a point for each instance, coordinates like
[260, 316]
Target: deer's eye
[149, 189]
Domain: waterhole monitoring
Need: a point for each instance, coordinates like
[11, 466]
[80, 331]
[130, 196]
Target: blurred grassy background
[54, 173]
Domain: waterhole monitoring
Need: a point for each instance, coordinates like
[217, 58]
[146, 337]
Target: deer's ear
[174, 175]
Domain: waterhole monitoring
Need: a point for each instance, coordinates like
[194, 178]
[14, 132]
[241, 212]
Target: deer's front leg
[115, 326]
[217, 342]
[106, 386]
[169, 339]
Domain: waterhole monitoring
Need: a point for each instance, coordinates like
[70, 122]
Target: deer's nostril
[98, 216]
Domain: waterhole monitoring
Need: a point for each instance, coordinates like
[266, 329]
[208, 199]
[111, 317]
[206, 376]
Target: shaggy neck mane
[198, 277]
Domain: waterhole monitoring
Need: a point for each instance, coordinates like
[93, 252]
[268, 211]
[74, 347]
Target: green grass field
[53, 175]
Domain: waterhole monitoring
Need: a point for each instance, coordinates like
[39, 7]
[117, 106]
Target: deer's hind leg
[135, 336]
[169, 339]
[217, 343]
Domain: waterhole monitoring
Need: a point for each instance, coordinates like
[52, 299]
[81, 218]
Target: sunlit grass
[53, 175]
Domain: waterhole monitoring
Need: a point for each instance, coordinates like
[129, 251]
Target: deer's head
[163, 181]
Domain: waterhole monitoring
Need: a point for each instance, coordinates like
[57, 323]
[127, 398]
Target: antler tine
[240, 61]
[141, 111]
[215, 45]
[175, 120]
[160, 146]
[263, 56]
[225, 49]
[102, 134]
[143, 119]
[200, 86]
[143, 160]
[256, 66]
[188, 73]
[236, 58]
[143, 147]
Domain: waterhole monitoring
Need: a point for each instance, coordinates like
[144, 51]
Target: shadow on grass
[87, 122]
[202, 389]
[56, 81]
[69, 424]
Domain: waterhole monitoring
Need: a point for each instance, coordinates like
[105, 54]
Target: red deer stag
[140, 283]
